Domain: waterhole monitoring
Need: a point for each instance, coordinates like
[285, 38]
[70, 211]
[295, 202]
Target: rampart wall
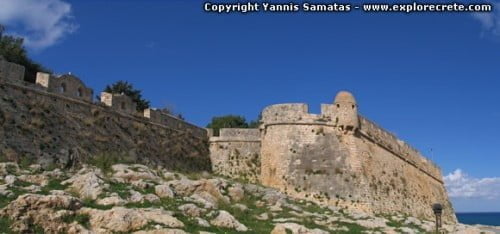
[40, 123]
[355, 166]
[236, 153]
[399, 148]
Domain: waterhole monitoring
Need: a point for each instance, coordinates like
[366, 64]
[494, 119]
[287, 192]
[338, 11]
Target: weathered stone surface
[294, 228]
[45, 211]
[191, 210]
[10, 179]
[113, 200]
[38, 179]
[162, 231]
[164, 191]
[87, 183]
[128, 173]
[226, 220]
[236, 193]
[120, 219]
[337, 157]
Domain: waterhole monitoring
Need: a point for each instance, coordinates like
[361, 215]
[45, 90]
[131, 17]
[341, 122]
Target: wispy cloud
[41, 23]
[490, 21]
[461, 185]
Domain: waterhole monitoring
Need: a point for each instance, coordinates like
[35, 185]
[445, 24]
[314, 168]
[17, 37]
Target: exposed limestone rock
[162, 217]
[10, 179]
[262, 217]
[164, 191]
[120, 219]
[61, 212]
[372, 223]
[151, 198]
[236, 193]
[87, 183]
[114, 200]
[282, 228]
[128, 173]
[226, 220]
[240, 207]
[162, 231]
[38, 179]
[191, 210]
[202, 222]
[46, 211]
[32, 188]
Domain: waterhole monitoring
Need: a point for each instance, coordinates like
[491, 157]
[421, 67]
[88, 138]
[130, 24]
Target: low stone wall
[173, 122]
[235, 153]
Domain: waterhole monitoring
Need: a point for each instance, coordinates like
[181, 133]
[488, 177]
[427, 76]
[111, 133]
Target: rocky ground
[137, 199]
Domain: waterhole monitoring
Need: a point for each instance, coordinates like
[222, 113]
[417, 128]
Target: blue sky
[432, 79]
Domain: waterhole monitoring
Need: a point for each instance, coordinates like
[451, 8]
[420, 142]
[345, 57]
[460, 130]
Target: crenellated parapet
[336, 157]
[291, 113]
[66, 85]
[73, 89]
[119, 102]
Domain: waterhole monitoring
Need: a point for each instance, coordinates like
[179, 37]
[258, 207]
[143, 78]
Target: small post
[438, 211]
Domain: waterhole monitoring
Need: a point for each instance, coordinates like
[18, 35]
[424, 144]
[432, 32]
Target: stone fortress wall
[236, 153]
[95, 128]
[71, 86]
[298, 113]
[338, 157]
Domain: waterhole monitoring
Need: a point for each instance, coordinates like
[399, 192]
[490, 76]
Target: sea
[491, 219]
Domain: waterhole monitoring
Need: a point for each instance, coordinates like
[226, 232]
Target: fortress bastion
[337, 157]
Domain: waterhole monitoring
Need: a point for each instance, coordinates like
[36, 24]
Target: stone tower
[346, 111]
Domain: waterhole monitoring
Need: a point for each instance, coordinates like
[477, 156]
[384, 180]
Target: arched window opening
[123, 105]
[62, 88]
[79, 92]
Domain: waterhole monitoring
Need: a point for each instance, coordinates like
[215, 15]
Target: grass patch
[11, 169]
[82, 219]
[106, 160]
[144, 204]
[121, 189]
[5, 224]
[4, 200]
[92, 204]
[353, 228]
[52, 185]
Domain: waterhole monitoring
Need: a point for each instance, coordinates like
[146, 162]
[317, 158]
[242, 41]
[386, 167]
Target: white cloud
[40, 22]
[461, 185]
[490, 20]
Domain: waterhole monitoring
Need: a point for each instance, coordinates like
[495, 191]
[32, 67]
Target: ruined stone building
[337, 157]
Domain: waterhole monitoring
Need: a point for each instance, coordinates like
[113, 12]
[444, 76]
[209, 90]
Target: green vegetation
[54, 184]
[231, 121]
[119, 188]
[106, 160]
[82, 219]
[128, 89]
[13, 50]
[5, 224]
[87, 202]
